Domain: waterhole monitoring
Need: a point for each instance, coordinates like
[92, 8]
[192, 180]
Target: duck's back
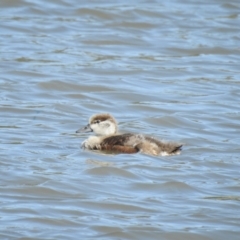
[132, 143]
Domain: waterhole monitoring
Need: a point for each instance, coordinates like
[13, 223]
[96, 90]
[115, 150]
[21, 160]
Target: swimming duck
[108, 139]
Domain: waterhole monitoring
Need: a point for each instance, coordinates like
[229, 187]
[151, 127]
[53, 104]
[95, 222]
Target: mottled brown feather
[116, 140]
[118, 143]
[102, 117]
[168, 147]
[119, 149]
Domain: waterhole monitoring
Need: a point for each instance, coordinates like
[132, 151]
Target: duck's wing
[123, 143]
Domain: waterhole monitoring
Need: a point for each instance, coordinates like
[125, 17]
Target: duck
[107, 139]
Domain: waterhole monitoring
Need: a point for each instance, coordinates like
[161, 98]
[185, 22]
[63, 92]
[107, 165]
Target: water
[168, 69]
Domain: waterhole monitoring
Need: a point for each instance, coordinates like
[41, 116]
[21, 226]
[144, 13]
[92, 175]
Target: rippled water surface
[165, 68]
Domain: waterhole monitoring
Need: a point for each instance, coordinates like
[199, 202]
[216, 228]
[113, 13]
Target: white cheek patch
[95, 127]
[106, 125]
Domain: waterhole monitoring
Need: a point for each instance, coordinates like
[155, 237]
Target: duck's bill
[84, 129]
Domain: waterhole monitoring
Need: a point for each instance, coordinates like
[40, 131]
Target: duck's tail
[155, 147]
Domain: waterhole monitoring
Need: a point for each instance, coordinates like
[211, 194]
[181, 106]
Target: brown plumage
[168, 147]
[119, 143]
[105, 126]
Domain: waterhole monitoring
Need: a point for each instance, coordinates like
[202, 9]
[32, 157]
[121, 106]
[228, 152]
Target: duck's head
[100, 124]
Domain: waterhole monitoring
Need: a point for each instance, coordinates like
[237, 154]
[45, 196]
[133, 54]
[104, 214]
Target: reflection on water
[166, 69]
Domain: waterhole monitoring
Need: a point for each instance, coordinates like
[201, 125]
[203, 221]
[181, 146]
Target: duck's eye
[97, 121]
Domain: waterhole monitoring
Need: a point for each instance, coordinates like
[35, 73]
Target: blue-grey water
[170, 69]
